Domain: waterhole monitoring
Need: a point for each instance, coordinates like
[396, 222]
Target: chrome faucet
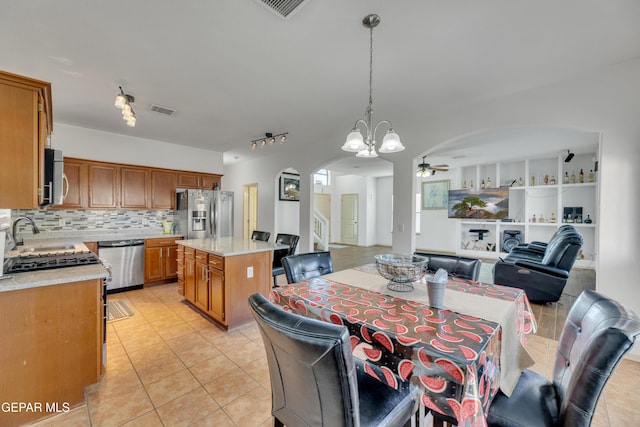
[34, 229]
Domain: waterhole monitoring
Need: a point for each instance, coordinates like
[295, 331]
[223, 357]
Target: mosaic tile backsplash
[88, 220]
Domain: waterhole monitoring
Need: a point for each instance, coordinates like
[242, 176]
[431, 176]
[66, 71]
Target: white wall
[384, 209]
[437, 231]
[110, 147]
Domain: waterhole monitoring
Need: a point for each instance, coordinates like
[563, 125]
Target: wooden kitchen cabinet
[216, 288]
[52, 346]
[103, 185]
[160, 259]
[180, 268]
[75, 187]
[202, 281]
[26, 121]
[134, 187]
[197, 180]
[190, 274]
[163, 190]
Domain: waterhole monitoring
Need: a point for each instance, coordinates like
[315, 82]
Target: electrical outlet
[249, 272]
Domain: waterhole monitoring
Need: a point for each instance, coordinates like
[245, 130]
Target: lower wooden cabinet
[190, 274]
[218, 286]
[160, 259]
[201, 299]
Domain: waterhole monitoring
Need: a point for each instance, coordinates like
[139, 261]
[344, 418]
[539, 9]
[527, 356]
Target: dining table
[455, 357]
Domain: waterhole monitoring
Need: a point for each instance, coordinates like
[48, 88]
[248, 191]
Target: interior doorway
[250, 209]
[349, 219]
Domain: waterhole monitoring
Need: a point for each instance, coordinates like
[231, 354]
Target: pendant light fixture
[123, 102]
[364, 145]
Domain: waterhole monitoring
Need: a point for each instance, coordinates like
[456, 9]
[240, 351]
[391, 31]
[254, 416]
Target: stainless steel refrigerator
[204, 213]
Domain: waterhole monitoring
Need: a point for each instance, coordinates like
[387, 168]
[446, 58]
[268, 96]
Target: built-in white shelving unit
[537, 188]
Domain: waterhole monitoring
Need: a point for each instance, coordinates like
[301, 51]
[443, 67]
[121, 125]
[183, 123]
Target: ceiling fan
[425, 169]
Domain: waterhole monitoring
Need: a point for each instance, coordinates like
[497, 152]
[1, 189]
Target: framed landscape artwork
[435, 194]
[290, 186]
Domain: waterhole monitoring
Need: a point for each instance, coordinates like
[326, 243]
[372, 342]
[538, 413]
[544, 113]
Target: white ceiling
[233, 70]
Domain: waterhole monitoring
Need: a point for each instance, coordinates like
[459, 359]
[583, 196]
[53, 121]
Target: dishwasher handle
[120, 243]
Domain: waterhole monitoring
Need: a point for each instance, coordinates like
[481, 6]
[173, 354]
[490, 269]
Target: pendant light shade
[354, 142]
[391, 143]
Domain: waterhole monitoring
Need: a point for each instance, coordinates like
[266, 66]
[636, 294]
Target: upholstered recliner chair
[542, 276]
[595, 337]
[456, 266]
[305, 266]
[314, 380]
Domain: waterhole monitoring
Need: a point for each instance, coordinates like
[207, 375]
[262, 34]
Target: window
[321, 177]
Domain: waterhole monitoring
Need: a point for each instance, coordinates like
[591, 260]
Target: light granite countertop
[92, 236]
[55, 276]
[229, 246]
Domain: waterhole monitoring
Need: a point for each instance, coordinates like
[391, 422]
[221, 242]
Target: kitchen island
[216, 276]
[52, 337]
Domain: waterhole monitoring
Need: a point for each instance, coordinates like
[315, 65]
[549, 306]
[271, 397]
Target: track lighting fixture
[569, 156]
[123, 102]
[269, 139]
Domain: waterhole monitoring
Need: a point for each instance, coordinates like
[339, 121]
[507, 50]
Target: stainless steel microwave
[53, 177]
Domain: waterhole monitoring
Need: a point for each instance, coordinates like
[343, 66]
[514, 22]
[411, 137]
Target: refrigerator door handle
[212, 213]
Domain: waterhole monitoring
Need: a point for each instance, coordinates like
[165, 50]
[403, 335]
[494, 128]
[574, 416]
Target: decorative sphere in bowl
[401, 270]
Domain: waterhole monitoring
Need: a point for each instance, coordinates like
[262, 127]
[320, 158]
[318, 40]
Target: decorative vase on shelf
[581, 177]
[588, 220]
[488, 182]
[591, 176]
[573, 177]
[565, 179]
[552, 181]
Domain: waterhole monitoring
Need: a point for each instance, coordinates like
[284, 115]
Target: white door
[250, 210]
[349, 219]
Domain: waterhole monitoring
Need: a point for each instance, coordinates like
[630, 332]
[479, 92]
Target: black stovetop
[28, 263]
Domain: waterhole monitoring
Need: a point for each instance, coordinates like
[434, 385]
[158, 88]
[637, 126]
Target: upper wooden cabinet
[25, 123]
[134, 188]
[102, 185]
[163, 190]
[197, 180]
[75, 188]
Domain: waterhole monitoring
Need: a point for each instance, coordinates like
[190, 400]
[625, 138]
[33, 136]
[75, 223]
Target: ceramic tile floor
[167, 366]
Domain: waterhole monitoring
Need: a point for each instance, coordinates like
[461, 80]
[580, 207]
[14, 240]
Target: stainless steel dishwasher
[127, 263]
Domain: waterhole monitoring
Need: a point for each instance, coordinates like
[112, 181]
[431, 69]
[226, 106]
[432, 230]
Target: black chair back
[305, 266]
[314, 380]
[278, 254]
[313, 375]
[263, 236]
[597, 334]
[456, 266]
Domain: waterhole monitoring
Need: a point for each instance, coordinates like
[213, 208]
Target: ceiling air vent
[283, 8]
[162, 110]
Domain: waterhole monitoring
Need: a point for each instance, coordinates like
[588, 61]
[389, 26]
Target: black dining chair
[263, 236]
[595, 337]
[285, 239]
[314, 380]
[305, 266]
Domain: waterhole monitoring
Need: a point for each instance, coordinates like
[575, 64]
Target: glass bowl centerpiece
[401, 270]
